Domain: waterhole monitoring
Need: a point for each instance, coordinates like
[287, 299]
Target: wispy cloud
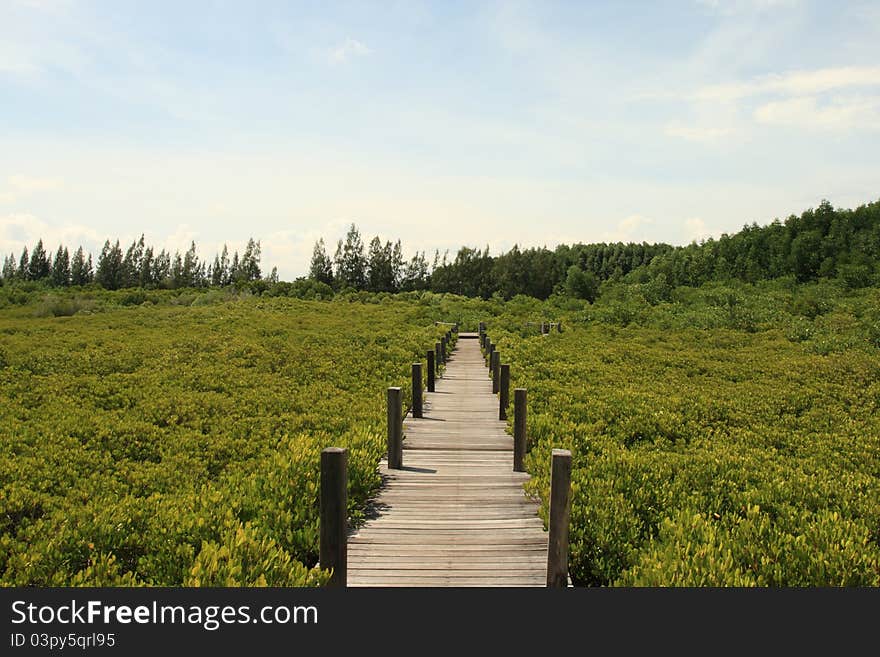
[627, 228]
[812, 112]
[348, 49]
[18, 186]
[695, 229]
[794, 83]
[20, 230]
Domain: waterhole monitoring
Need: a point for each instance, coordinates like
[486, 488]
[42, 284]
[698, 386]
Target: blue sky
[441, 123]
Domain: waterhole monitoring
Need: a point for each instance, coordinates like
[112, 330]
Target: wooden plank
[456, 514]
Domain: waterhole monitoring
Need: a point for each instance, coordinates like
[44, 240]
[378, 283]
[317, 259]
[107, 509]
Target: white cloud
[695, 132]
[810, 112]
[695, 229]
[21, 230]
[348, 49]
[19, 186]
[627, 228]
[794, 83]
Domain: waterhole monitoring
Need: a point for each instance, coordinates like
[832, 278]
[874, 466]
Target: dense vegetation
[178, 444]
[821, 244]
[726, 436]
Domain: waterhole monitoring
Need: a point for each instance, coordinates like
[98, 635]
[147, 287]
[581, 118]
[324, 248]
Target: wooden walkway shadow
[456, 514]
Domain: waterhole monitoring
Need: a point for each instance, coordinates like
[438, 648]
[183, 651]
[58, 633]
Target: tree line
[819, 243]
[139, 266]
[474, 272]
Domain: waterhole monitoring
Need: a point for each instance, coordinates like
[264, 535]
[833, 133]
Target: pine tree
[216, 272]
[23, 265]
[131, 264]
[109, 271]
[397, 265]
[39, 267]
[61, 268]
[351, 265]
[250, 262]
[234, 267]
[321, 268]
[177, 280]
[191, 271]
[146, 275]
[225, 277]
[9, 270]
[78, 274]
[162, 269]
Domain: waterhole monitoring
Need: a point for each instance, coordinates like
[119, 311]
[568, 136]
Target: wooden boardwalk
[456, 514]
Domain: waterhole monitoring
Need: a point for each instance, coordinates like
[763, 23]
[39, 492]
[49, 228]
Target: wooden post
[443, 348]
[489, 350]
[395, 429]
[504, 392]
[519, 429]
[496, 371]
[333, 550]
[431, 372]
[559, 326]
[417, 390]
[544, 329]
[438, 357]
[560, 507]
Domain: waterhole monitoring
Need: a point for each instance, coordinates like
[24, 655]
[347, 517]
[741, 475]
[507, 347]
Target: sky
[439, 123]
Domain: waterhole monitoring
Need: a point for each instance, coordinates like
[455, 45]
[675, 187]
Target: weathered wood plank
[455, 514]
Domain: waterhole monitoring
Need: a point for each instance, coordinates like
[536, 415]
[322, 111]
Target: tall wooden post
[443, 348]
[431, 371]
[438, 357]
[504, 392]
[333, 549]
[417, 390]
[496, 371]
[560, 508]
[395, 429]
[519, 429]
[489, 350]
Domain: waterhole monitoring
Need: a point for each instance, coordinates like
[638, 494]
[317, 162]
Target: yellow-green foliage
[707, 457]
[173, 445]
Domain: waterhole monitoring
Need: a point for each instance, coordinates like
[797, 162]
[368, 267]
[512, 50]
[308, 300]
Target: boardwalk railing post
[333, 551]
[504, 392]
[417, 390]
[438, 357]
[519, 429]
[443, 348]
[431, 371]
[395, 429]
[489, 350]
[496, 371]
[560, 508]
